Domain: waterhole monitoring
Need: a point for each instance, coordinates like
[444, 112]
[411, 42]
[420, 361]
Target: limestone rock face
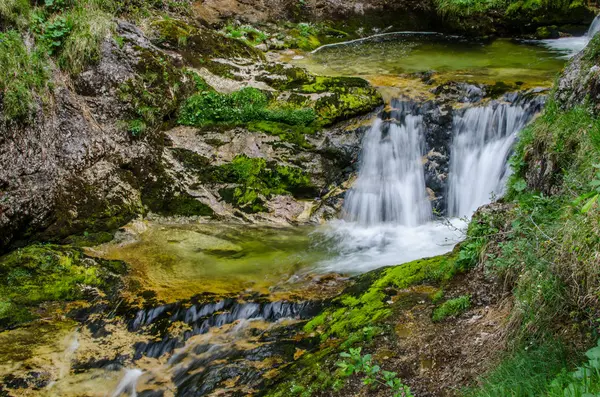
[106, 147]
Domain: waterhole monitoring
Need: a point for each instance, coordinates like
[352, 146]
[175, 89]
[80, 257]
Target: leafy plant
[583, 382]
[355, 363]
[55, 32]
[592, 197]
[243, 106]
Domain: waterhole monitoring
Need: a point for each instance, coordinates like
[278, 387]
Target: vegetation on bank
[547, 253]
[355, 317]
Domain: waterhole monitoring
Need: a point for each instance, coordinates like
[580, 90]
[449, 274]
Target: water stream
[227, 294]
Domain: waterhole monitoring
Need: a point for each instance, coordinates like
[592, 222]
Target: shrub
[243, 106]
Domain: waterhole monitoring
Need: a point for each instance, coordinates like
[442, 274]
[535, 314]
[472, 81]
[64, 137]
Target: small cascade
[390, 187]
[128, 383]
[483, 138]
[202, 317]
[594, 27]
[570, 46]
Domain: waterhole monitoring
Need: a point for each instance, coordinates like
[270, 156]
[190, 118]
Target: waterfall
[570, 46]
[482, 141]
[390, 187]
[594, 27]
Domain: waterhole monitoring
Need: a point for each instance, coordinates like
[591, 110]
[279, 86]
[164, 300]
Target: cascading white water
[482, 140]
[572, 45]
[594, 27]
[390, 187]
[387, 211]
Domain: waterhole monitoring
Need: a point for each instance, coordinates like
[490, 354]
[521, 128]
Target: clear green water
[452, 58]
[179, 261]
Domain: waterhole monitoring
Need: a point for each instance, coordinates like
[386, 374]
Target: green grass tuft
[452, 308]
[23, 76]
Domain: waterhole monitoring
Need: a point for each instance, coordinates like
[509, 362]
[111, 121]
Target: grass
[546, 252]
[528, 372]
[15, 12]
[23, 76]
[452, 308]
[90, 26]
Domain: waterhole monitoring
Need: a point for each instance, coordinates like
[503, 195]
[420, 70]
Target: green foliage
[512, 8]
[243, 106]
[54, 33]
[23, 76]
[246, 33]
[354, 363]
[452, 308]
[583, 382]
[527, 372]
[39, 273]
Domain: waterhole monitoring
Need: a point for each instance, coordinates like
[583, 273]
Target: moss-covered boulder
[38, 274]
[199, 45]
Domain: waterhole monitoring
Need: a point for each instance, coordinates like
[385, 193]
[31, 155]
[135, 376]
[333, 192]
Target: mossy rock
[155, 92]
[198, 45]
[547, 32]
[350, 103]
[355, 317]
[48, 273]
[161, 195]
[283, 77]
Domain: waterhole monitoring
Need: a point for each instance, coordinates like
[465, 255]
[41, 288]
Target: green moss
[199, 45]
[161, 194]
[258, 180]
[288, 133]
[357, 310]
[353, 318]
[345, 105]
[41, 273]
[281, 76]
[155, 92]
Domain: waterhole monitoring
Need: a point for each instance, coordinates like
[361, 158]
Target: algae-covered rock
[38, 274]
[199, 45]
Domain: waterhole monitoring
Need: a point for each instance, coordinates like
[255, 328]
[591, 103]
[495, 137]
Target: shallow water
[451, 57]
[178, 261]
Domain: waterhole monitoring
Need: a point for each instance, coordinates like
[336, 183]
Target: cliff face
[104, 146]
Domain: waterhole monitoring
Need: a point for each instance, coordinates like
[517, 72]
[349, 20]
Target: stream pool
[451, 57]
